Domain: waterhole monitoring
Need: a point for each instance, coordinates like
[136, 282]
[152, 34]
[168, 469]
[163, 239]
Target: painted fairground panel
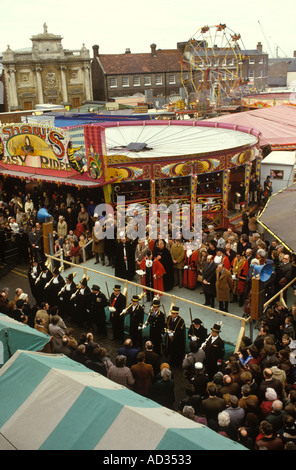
[50, 151]
[43, 148]
[194, 181]
[96, 153]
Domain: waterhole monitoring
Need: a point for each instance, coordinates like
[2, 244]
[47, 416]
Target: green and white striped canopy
[15, 335]
[50, 402]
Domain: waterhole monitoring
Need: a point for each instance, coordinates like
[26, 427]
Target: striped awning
[62, 405]
[15, 335]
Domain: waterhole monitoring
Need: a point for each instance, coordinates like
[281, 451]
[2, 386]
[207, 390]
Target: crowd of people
[250, 398]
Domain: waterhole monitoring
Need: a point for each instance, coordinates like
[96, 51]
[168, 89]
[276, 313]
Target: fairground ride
[211, 67]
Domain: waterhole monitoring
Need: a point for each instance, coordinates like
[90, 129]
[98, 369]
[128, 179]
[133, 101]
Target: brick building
[159, 70]
[126, 74]
[255, 67]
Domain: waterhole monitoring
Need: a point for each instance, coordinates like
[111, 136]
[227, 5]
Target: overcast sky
[119, 24]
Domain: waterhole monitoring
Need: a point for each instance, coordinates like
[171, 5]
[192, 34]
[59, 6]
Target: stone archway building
[47, 73]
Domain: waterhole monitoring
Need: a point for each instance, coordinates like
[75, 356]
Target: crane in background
[277, 47]
[277, 51]
[267, 42]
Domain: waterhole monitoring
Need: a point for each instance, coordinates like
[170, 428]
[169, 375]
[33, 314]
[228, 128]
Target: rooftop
[117, 64]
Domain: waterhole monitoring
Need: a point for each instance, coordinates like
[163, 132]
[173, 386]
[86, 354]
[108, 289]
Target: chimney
[96, 51]
[127, 50]
[153, 49]
[259, 47]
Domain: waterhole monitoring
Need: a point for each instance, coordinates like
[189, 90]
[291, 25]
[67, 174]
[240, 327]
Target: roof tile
[163, 61]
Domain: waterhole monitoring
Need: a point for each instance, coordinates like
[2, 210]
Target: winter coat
[98, 245]
[224, 285]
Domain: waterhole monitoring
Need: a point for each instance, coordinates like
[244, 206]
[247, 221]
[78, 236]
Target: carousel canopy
[279, 217]
[277, 124]
[68, 180]
[176, 139]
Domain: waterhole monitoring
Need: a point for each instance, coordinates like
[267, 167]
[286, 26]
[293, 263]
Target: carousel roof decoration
[175, 139]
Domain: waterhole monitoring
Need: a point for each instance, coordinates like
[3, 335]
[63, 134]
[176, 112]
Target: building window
[251, 73]
[147, 80]
[113, 82]
[252, 61]
[172, 79]
[231, 62]
[137, 81]
[158, 80]
[261, 61]
[125, 81]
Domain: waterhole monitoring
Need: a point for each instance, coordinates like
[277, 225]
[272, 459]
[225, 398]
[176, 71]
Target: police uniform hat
[156, 303]
[70, 277]
[117, 287]
[197, 321]
[135, 298]
[175, 309]
[83, 281]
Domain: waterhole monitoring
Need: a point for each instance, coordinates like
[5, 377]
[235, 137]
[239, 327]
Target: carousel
[181, 162]
[149, 162]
